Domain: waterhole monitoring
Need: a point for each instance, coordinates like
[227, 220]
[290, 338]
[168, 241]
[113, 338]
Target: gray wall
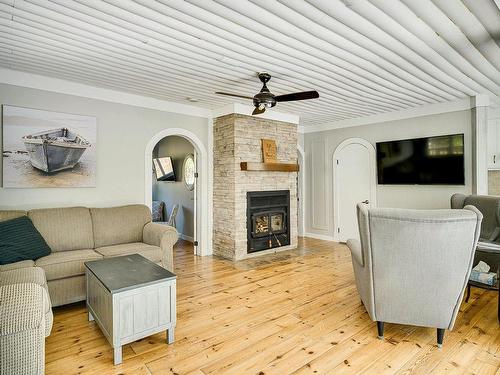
[123, 132]
[175, 192]
[320, 146]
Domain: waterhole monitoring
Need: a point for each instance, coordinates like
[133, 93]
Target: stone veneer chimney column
[237, 138]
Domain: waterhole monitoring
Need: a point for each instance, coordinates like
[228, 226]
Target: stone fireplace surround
[237, 138]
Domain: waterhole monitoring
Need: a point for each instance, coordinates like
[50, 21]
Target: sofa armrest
[164, 236]
[22, 329]
[356, 251]
[22, 307]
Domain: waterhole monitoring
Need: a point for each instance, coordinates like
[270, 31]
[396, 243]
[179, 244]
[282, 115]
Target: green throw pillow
[19, 240]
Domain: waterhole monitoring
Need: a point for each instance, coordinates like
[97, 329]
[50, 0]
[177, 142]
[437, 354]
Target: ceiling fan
[265, 99]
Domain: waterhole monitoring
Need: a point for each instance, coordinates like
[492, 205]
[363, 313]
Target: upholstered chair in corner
[411, 266]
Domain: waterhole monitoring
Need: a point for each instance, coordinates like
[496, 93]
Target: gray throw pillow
[20, 240]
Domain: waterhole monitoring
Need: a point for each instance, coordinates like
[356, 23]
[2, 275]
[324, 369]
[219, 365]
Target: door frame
[336, 196]
[301, 230]
[203, 227]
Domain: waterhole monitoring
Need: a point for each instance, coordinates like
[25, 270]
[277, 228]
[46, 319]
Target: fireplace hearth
[268, 219]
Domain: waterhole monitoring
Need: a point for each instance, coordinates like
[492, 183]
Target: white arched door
[354, 181]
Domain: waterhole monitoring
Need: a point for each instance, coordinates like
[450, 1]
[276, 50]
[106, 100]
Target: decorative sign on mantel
[269, 151]
[270, 163]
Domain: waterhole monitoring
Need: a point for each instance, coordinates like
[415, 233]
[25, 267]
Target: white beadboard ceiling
[364, 57]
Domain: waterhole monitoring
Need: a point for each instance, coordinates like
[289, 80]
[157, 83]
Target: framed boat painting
[43, 149]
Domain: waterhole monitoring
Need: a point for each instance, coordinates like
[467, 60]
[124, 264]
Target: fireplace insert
[268, 220]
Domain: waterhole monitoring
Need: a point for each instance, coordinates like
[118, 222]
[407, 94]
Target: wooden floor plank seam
[294, 312]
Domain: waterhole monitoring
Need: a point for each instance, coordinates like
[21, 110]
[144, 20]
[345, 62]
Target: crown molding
[40, 82]
[36, 81]
[425, 110]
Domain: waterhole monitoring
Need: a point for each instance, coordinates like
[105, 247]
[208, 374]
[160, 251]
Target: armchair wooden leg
[380, 330]
[440, 337]
[468, 293]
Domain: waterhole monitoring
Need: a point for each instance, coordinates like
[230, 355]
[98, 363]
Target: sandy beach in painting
[17, 169]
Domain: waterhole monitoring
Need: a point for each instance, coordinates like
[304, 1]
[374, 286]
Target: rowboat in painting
[55, 150]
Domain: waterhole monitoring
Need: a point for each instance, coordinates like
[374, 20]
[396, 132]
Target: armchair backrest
[489, 206]
[416, 263]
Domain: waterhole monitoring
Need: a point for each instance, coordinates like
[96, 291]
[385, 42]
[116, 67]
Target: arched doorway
[354, 181]
[201, 195]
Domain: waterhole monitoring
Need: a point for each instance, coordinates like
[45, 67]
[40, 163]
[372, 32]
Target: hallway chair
[411, 266]
[173, 215]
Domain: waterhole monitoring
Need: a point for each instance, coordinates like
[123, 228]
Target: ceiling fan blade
[258, 111]
[235, 95]
[297, 96]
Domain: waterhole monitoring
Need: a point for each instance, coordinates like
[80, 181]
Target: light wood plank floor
[293, 312]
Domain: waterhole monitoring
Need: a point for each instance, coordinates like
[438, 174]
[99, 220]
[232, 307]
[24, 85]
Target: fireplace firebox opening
[268, 219]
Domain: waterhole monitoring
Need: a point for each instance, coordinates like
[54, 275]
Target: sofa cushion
[17, 265]
[119, 225]
[11, 214]
[153, 253]
[64, 228]
[66, 263]
[19, 240]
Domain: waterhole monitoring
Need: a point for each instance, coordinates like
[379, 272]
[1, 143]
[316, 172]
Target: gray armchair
[412, 266]
[489, 206]
[488, 247]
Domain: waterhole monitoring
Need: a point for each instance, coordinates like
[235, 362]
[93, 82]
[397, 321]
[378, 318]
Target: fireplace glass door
[277, 222]
[261, 225]
[268, 223]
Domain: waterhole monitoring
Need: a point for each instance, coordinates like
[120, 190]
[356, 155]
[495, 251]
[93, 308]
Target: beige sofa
[28, 289]
[80, 234]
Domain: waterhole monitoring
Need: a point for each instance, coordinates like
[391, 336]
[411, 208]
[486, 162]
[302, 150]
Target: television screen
[164, 169]
[422, 161]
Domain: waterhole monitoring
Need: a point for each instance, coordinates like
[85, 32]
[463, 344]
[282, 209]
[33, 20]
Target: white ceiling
[363, 57]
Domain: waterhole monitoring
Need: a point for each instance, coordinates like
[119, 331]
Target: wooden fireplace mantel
[269, 167]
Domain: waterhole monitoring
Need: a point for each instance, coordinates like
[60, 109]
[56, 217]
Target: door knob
[366, 201]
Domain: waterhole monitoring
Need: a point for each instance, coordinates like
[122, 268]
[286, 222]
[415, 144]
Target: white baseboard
[319, 236]
[186, 238]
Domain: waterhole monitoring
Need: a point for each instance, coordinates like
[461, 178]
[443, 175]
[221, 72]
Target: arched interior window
[189, 170]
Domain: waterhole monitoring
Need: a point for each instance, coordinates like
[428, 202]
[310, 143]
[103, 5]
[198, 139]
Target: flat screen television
[422, 161]
[164, 169]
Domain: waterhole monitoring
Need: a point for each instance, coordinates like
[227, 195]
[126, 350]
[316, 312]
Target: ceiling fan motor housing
[264, 97]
